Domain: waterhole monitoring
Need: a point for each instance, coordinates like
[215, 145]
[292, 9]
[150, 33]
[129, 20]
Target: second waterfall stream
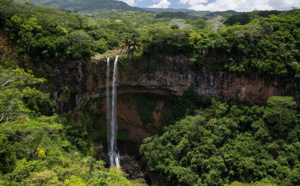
[111, 116]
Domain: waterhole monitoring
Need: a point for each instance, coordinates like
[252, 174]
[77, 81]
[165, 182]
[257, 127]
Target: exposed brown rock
[6, 48]
[157, 113]
[163, 82]
[251, 90]
[129, 121]
[90, 82]
[172, 79]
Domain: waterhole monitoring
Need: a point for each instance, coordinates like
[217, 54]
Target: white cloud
[192, 2]
[161, 4]
[131, 2]
[241, 5]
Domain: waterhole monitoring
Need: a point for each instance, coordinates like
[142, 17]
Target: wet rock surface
[131, 166]
[130, 160]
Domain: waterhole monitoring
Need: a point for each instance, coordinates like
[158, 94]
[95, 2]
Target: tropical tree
[281, 114]
[217, 24]
[135, 43]
[131, 42]
[16, 119]
[126, 43]
[12, 90]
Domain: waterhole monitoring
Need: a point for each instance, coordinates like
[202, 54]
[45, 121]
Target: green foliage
[5, 2]
[33, 147]
[81, 125]
[199, 24]
[23, 169]
[279, 113]
[267, 42]
[74, 181]
[246, 18]
[20, 127]
[78, 136]
[40, 103]
[35, 37]
[226, 143]
[166, 41]
[48, 177]
[172, 15]
[268, 46]
[81, 44]
[131, 42]
[258, 183]
[48, 33]
[123, 135]
[62, 168]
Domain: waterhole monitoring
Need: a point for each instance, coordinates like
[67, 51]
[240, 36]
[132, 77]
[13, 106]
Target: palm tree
[131, 42]
[126, 43]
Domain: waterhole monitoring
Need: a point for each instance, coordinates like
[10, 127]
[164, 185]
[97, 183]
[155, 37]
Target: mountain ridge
[99, 5]
[85, 6]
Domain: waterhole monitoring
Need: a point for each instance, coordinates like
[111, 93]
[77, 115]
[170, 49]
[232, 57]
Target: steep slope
[87, 5]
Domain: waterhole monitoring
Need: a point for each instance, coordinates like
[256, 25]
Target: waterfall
[111, 116]
[108, 110]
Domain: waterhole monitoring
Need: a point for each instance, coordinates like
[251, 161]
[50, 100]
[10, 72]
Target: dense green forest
[227, 142]
[204, 141]
[268, 45]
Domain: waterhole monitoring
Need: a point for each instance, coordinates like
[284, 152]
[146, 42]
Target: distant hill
[187, 13]
[246, 17]
[177, 15]
[160, 10]
[84, 5]
[232, 12]
[199, 13]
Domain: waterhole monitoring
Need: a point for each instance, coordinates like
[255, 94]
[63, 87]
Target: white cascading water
[108, 109]
[111, 116]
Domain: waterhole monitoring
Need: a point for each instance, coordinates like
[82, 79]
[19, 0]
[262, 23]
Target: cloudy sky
[218, 5]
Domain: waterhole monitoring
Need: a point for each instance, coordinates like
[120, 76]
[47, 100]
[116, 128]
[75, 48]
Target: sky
[217, 5]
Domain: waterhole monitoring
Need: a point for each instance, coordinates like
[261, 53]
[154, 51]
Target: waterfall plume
[111, 116]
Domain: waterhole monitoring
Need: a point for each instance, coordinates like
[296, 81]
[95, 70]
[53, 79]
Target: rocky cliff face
[175, 80]
[253, 89]
[88, 81]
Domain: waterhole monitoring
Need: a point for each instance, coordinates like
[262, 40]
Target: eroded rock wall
[87, 80]
[168, 80]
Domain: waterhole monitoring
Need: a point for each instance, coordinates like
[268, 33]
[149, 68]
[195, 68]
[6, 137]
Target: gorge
[134, 98]
[162, 87]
